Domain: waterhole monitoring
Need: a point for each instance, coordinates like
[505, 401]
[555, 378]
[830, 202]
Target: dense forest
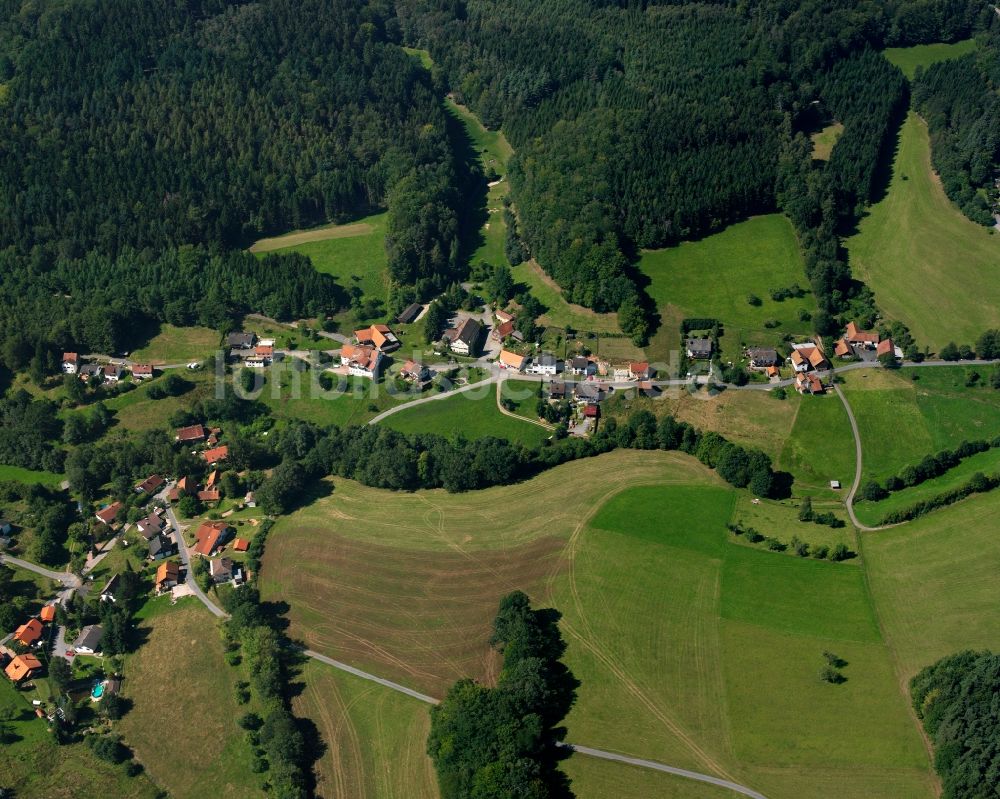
[142, 141]
[960, 103]
[641, 124]
[956, 698]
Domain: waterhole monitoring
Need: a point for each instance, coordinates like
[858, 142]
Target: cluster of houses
[31, 636]
[365, 357]
[196, 434]
[856, 341]
[251, 352]
[108, 373]
[545, 363]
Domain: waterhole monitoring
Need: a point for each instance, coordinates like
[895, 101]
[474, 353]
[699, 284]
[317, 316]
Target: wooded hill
[640, 124]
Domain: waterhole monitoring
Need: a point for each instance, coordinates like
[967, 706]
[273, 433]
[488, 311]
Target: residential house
[220, 569]
[592, 411]
[109, 513]
[808, 383]
[807, 356]
[70, 363]
[580, 365]
[192, 434]
[261, 358]
[620, 373]
[48, 613]
[151, 526]
[89, 370]
[511, 360]
[501, 331]
[111, 372]
[241, 545]
[88, 642]
[215, 455]
[464, 340]
[150, 485]
[241, 341]
[167, 576]
[161, 546]
[640, 370]
[209, 495]
[557, 390]
[888, 348]
[379, 336]
[415, 372]
[142, 371]
[250, 501]
[842, 349]
[361, 360]
[184, 486]
[698, 348]
[108, 592]
[212, 479]
[212, 536]
[650, 391]
[588, 392]
[761, 357]
[544, 364]
[410, 313]
[23, 667]
[861, 338]
[504, 316]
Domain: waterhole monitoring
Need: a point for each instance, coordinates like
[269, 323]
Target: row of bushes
[798, 546]
[930, 467]
[978, 484]
[987, 348]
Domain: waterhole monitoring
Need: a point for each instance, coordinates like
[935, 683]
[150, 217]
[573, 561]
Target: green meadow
[178, 344]
[909, 59]
[928, 265]
[820, 447]
[29, 475]
[824, 140]
[713, 277]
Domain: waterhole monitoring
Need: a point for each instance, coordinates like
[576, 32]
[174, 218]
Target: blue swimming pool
[98, 691]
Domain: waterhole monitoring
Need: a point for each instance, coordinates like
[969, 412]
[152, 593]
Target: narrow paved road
[677, 772]
[186, 560]
[364, 675]
[433, 398]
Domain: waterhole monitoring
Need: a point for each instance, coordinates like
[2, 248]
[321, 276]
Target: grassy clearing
[713, 277]
[29, 476]
[824, 140]
[953, 410]
[176, 344]
[472, 414]
[820, 447]
[929, 266]
[135, 411]
[909, 59]
[524, 395]
[934, 582]
[559, 312]
[491, 145]
[182, 725]
[373, 738]
[781, 520]
[36, 767]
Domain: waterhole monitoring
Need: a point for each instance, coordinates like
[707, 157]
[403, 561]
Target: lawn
[928, 265]
[29, 476]
[178, 345]
[135, 411]
[373, 739]
[923, 55]
[524, 395]
[471, 414]
[934, 582]
[182, 725]
[714, 276]
[824, 140]
[780, 519]
[35, 767]
[820, 447]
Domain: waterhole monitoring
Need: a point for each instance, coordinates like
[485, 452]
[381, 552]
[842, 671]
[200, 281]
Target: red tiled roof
[638, 368]
[215, 455]
[168, 570]
[209, 495]
[21, 666]
[241, 545]
[592, 411]
[208, 537]
[854, 333]
[142, 369]
[842, 348]
[885, 348]
[110, 513]
[511, 359]
[150, 484]
[503, 330]
[29, 632]
[195, 432]
[70, 357]
[48, 613]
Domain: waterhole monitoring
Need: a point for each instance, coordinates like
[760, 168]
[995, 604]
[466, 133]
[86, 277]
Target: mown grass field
[34, 766]
[712, 278]
[692, 649]
[373, 739]
[936, 410]
[923, 55]
[182, 725]
[135, 411]
[780, 519]
[871, 513]
[928, 265]
[178, 344]
[472, 414]
[29, 476]
[820, 447]
[934, 582]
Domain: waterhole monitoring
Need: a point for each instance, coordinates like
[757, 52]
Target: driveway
[185, 556]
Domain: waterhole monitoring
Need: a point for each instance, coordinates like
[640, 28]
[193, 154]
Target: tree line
[930, 467]
[979, 483]
[500, 742]
[958, 99]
